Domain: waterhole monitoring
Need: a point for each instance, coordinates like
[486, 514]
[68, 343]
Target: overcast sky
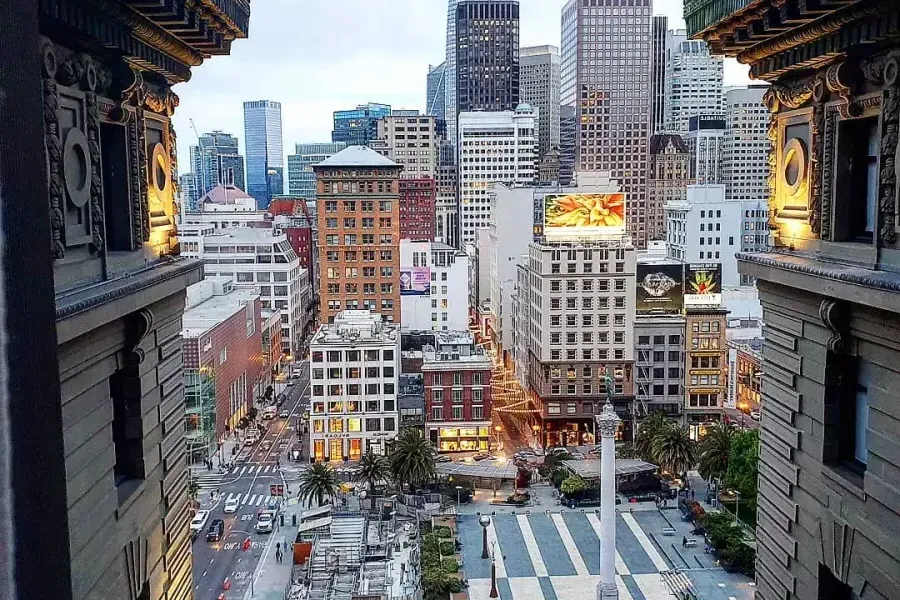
[317, 56]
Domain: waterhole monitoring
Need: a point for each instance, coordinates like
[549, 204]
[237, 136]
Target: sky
[318, 56]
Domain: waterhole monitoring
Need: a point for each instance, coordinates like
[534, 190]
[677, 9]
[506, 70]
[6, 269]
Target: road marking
[244, 501]
[258, 469]
[621, 567]
[569, 544]
[231, 497]
[645, 542]
[537, 562]
[260, 500]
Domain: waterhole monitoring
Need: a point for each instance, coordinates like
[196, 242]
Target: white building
[493, 147]
[354, 374]
[746, 148]
[445, 305]
[693, 84]
[259, 258]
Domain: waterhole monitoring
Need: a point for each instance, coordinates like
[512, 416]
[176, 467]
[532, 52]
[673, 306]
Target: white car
[199, 521]
[290, 383]
[265, 522]
[231, 506]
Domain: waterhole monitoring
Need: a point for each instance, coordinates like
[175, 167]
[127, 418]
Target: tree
[412, 459]
[714, 451]
[743, 463]
[318, 483]
[373, 468]
[647, 433]
[572, 486]
[626, 450]
[674, 449]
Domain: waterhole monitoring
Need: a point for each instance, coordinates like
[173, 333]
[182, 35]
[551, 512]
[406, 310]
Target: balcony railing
[702, 14]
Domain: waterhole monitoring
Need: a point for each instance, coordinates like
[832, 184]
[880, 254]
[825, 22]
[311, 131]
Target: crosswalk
[208, 480]
[249, 499]
[253, 470]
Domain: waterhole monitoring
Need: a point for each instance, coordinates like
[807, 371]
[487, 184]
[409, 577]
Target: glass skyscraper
[301, 178]
[357, 126]
[216, 160]
[264, 149]
[487, 55]
[436, 100]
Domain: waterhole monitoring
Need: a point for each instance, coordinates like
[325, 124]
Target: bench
[668, 531]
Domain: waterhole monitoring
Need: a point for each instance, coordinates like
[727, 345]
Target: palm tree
[674, 449]
[412, 459]
[714, 450]
[372, 469]
[318, 483]
[647, 433]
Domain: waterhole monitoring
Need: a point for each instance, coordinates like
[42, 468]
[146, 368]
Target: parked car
[265, 446]
[442, 458]
[250, 440]
[481, 456]
[265, 522]
[284, 414]
[755, 415]
[272, 504]
[231, 506]
[199, 521]
[290, 383]
[216, 530]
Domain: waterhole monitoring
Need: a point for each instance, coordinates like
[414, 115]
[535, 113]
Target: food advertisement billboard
[703, 284]
[660, 288]
[584, 214]
[415, 281]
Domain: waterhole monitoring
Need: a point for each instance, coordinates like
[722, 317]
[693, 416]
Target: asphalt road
[250, 482]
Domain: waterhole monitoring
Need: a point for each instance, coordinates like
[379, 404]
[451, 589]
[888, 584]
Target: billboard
[584, 214]
[660, 288]
[415, 281]
[703, 284]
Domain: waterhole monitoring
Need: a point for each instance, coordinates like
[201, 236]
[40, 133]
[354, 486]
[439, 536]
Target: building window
[847, 411]
[457, 396]
[477, 396]
[457, 413]
[553, 408]
[858, 149]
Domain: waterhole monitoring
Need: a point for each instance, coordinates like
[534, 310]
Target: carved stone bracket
[835, 315]
[837, 537]
[138, 326]
[53, 146]
[837, 81]
[794, 94]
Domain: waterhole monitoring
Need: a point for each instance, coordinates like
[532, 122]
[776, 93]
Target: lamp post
[458, 490]
[484, 521]
[494, 593]
[607, 423]
[737, 504]
[498, 429]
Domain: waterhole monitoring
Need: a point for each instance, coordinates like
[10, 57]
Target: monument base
[607, 591]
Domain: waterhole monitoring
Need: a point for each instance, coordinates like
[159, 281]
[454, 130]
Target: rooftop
[249, 235]
[357, 156]
[209, 313]
[589, 468]
[356, 327]
[224, 194]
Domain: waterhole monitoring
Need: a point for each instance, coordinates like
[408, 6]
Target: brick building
[222, 344]
[293, 217]
[358, 233]
[457, 376]
[417, 201]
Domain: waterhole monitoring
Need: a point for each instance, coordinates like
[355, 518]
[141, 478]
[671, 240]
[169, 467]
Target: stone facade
[104, 73]
[829, 458]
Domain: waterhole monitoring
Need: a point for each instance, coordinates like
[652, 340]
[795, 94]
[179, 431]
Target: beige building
[667, 181]
[705, 367]
[410, 140]
[358, 195]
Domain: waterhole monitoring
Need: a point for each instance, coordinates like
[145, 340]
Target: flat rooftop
[206, 315]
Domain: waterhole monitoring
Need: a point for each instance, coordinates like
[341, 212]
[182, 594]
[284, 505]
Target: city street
[255, 469]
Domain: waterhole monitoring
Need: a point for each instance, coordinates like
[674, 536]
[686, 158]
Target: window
[571, 408]
[858, 149]
[477, 413]
[457, 396]
[553, 407]
[674, 339]
[457, 413]
[477, 396]
[847, 409]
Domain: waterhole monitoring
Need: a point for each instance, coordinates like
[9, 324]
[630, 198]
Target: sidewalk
[272, 577]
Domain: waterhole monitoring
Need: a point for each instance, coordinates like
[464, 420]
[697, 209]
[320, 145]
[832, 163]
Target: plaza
[550, 552]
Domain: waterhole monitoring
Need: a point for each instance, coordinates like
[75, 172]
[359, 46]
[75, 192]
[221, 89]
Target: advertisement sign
[584, 214]
[703, 284]
[660, 288]
[415, 281]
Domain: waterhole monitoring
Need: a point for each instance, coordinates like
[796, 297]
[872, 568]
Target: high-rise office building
[667, 181]
[706, 143]
[358, 126]
[264, 149]
[301, 178]
[567, 133]
[609, 50]
[358, 233]
[539, 85]
[658, 74]
[436, 96]
[509, 140]
[219, 161]
[446, 202]
[746, 147]
[482, 65]
[693, 84]
[410, 140]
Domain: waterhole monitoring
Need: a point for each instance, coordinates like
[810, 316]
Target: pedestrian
[692, 494]
[683, 542]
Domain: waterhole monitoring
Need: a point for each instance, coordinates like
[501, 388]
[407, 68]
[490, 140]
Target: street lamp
[737, 504]
[484, 521]
[458, 490]
[494, 593]
[498, 429]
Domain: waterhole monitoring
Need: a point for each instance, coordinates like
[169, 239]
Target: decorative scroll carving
[139, 325]
[163, 102]
[890, 122]
[826, 172]
[771, 102]
[96, 194]
[53, 145]
[836, 80]
[173, 174]
[142, 173]
[794, 94]
[816, 126]
[836, 317]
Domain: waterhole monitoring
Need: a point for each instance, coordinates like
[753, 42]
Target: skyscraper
[746, 149]
[658, 74]
[301, 178]
[510, 134]
[539, 83]
[358, 126]
[215, 159]
[609, 50]
[693, 84]
[482, 66]
[264, 149]
[567, 133]
[436, 97]
[668, 179]
[487, 55]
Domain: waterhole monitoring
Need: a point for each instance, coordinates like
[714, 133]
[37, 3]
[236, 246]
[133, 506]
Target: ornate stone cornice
[150, 33]
[878, 280]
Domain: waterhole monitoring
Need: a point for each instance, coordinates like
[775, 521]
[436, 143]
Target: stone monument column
[607, 424]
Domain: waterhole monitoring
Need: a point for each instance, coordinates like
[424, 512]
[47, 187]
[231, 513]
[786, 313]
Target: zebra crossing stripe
[260, 499]
[258, 469]
[244, 501]
[232, 497]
